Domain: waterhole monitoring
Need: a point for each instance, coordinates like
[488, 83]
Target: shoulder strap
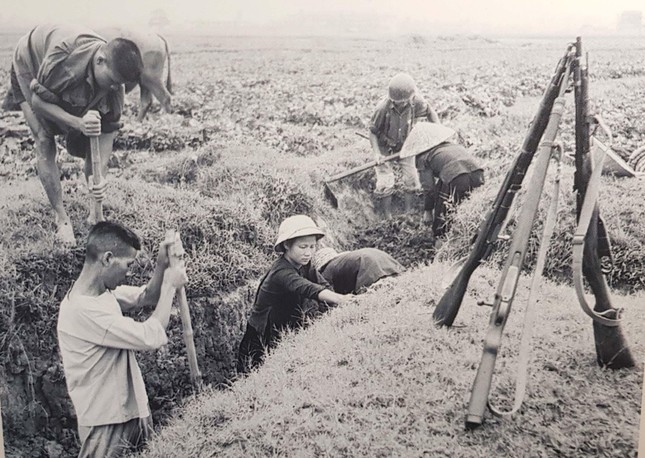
[586, 213]
[529, 316]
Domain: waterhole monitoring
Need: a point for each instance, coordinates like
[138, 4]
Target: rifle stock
[612, 350]
[513, 267]
[448, 306]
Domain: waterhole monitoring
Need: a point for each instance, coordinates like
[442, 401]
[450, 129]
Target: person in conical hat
[281, 298]
[394, 117]
[352, 271]
[447, 171]
[448, 174]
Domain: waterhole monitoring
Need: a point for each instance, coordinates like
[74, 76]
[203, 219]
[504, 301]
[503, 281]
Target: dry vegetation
[258, 124]
[376, 378]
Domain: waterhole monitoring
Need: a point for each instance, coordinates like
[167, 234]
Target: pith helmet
[401, 87]
[322, 257]
[296, 226]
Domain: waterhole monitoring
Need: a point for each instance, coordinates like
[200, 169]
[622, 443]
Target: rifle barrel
[448, 306]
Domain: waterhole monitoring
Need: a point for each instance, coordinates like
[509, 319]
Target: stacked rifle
[592, 251]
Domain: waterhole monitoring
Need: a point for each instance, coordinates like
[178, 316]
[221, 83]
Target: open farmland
[258, 124]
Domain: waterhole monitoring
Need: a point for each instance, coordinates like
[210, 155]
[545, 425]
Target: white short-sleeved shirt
[97, 346]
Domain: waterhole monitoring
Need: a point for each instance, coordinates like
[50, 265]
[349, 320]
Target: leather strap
[530, 315]
[586, 213]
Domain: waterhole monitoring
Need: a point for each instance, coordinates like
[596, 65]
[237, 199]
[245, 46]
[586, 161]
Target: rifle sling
[529, 314]
[586, 213]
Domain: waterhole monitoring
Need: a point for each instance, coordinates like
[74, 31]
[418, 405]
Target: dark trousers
[254, 345]
[448, 195]
[252, 349]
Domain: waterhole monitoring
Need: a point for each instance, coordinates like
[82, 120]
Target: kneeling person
[97, 342]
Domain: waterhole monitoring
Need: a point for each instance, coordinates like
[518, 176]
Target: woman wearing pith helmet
[394, 117]
[290, 282]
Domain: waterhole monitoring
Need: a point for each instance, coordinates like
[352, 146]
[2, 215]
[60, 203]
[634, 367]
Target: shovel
[329, 194]
[423, 137]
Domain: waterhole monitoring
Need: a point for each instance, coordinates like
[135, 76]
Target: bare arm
[90, 124]
[152, 292]
[432, 115]
[174, 278]
[375, 147]
[164, 306]
[331, 297]
[153, 288]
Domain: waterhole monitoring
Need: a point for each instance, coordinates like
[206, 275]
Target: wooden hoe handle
[96, 176]
[176, 258]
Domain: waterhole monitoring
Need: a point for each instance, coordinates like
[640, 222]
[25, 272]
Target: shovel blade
[330, 196]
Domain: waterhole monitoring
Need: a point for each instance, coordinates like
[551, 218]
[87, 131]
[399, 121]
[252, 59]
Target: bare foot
[65, 233]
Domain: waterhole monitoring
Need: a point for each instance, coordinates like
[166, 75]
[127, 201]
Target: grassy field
[377, 378]
[258, 124]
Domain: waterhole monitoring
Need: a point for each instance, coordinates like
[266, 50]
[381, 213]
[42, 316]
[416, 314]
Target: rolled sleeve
[377, 123]
[44, 93]
[99, 321]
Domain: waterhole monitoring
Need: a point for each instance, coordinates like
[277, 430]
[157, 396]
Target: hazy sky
[486, 16]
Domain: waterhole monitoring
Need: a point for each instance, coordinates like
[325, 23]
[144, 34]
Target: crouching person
[352, 271]
[280, 298]
[448, 174]
[97, 343]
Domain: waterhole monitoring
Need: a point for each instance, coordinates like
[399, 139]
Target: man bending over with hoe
[391, 123]
[69, 81]
[97, 342]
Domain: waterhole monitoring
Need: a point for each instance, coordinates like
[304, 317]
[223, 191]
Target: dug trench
[228, 249]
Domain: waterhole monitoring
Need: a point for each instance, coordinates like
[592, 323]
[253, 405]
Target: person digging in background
[456, 173]
[447, 171]
[352, 271]
[394, 117]
[69, 81]
[283, 292]
[97, 343]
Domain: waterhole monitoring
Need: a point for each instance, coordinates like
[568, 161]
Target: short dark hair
[109, 236]
[125, 58]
